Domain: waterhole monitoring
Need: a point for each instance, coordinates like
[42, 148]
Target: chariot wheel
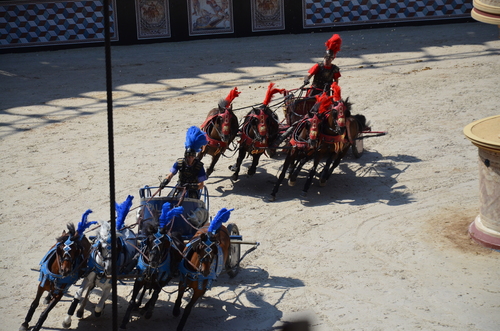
[233, 259]
[358, 147]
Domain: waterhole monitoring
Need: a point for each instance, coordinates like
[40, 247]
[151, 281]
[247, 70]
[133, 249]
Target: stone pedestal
[485, 134]
[487, 11]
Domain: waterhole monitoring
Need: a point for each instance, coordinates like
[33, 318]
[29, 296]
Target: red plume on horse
[221, 127]
[259, 131]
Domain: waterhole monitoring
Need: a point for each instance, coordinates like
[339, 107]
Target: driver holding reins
[191, 171]
[325, 73]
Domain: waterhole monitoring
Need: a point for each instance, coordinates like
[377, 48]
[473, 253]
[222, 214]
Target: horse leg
[43, 316]
[187, 311]
[32, 309]
[106, 290]
[177, 304]
[236, 167]
[253, 168]
[289, 159]
[132, 304]
[335, 164]
[310, 177]
[90, 286]
[76, 300]
[150, 305]
[210, 169]
[298, 166]
[326, 169]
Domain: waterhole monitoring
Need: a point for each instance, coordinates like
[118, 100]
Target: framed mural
[267, 15]
[210, 17]
[153, 19]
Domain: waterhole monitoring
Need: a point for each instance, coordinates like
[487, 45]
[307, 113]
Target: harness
[296, 141]
[61, 283]
[196, 276]
[163, 269]
[257, 146]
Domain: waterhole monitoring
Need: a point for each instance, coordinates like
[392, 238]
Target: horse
[339, 129]
[303, 143]
[221, 128]
[259, 131]
[157, 263]
[205, 256]
[61, 267]
[100, 266]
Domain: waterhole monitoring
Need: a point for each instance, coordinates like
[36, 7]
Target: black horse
[158, 262]
[259, 131]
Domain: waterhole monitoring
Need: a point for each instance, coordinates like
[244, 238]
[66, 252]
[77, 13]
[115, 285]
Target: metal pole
[112, 198]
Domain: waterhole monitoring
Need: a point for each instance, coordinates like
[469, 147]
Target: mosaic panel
[152, 19]
[319, 13]
[210, 17]
[45, 23]
[268, 15]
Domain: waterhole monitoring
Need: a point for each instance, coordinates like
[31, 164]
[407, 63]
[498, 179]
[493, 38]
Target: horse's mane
[71, 233]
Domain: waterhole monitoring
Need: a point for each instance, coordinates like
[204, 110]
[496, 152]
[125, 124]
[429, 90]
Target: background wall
[28, 24]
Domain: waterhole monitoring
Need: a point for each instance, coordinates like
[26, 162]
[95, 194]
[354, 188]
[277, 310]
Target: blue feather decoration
[122, 211]
[221, 217]
[84, 225]
[195, 138]
[167, 214]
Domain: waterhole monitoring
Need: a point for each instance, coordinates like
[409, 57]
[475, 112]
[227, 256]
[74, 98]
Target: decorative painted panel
[319, 13]
[268, 15]
[210, 17]
[152, 19]
[24, 23]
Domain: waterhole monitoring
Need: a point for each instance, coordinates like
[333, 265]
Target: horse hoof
[79, 314]
[97, 314]
[322, 184]
[290, 183]
[24, 327]
[272, 198]
[66, 324]
[303, 194]
[234, 177]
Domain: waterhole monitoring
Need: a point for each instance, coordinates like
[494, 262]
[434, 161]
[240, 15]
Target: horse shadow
[212, 311]
[356, 181]
[369, 179]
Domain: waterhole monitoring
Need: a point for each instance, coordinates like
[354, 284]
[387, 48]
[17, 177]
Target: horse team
[317, 128]
[153, 260]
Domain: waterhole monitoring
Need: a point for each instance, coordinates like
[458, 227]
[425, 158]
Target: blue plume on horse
[167, 214]
[221, 217]
[195, 138]
[84, 224]
[122, 211]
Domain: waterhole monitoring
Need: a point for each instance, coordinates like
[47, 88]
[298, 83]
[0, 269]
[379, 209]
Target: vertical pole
[112, 198]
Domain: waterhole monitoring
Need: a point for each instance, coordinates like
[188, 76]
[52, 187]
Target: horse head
[71, 248]
[226, 124]
[264, 124]
[203, 252]
[103, 256]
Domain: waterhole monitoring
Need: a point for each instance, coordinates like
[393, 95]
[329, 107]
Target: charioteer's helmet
[333, 46]
[195, 140]
[189, 152]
